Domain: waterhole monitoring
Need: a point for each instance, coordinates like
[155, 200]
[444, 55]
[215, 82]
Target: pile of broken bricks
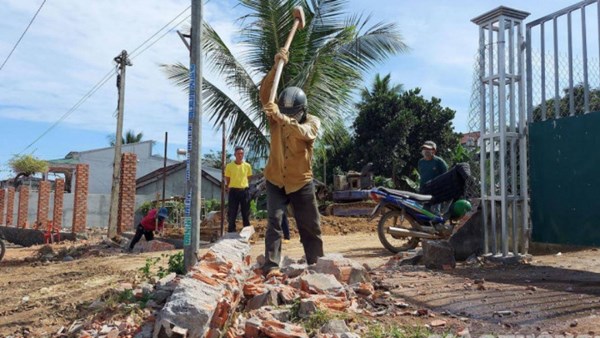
[224, 296]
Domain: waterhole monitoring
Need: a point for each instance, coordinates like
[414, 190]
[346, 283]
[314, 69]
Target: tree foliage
[327, 59]
[27, 165]
[390, 127]
[130, 137]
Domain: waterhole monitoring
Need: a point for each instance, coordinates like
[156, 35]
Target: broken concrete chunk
[320, 283]
[344, 269]
[335, 326]
[307, 307]
[294, 270]
[438, 254]
[268, 298]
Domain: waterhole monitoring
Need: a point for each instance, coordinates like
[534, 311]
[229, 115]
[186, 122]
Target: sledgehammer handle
[298, 22]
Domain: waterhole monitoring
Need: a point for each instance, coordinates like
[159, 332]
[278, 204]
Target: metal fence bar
[529, 70]
[586, 87]
[523, 139]
[570, 47]
[543, 71]
[556, 74]
[513, 153]
[482, 126]
[492, 183]
[502, 129]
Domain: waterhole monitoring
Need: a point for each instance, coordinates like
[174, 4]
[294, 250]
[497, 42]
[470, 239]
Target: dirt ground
[555, 293]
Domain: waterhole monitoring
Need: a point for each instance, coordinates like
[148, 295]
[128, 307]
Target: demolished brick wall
[81, 195]
[2, 203]
[206, 297]
[59, 194]
[127, 192]
[10, 205]
[43, 203]
[23, 206]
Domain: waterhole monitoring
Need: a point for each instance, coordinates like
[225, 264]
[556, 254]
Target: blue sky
[71, 46]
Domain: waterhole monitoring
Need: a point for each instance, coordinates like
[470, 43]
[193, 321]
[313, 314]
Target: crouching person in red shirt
[154, 220]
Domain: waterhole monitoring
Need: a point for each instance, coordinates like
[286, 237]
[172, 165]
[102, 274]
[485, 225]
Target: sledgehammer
[299, 22]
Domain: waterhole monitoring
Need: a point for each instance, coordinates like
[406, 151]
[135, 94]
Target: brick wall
[2, 203]
[81, 195]
[43, 203]
[59, 193]
[10, 205]
[126, 208]
[23, 206]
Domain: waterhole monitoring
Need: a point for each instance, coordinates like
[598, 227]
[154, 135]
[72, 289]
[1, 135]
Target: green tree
[130, 137]
[26, 165]
[213, 159]
[391, 126]
[327, 60]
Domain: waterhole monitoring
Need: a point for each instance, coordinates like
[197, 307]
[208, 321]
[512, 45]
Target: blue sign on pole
[187, 231]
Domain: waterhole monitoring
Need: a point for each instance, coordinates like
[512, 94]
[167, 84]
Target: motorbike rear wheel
[398, 219]
[2, 249]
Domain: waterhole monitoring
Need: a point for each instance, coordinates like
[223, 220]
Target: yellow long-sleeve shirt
[291, 152]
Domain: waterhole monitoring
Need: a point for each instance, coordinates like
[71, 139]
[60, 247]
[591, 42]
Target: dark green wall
[564, 171]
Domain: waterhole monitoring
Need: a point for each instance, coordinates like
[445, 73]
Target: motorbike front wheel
[394, 243]
[2, 249]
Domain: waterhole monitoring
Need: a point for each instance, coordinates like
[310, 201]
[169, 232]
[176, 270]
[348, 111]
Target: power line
[22, 35]
[108, 76]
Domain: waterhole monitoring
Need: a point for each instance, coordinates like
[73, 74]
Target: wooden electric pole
[191, 236]
[122, 62]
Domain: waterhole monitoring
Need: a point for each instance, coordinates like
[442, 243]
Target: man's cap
[429, 145]
[163, 212]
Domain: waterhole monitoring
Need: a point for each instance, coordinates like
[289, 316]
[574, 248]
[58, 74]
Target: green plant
[146, 270]
[175, 264]
[27, 165]
[380, 181]
[253, 209]
[413, 181]
[126, 296]
[212, 205]
[315, 321]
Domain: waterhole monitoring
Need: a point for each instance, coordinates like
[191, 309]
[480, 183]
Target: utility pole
[223, 141]
[191, 237]
[122, 62]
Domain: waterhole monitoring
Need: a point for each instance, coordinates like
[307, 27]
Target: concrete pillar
[10, 205]
[127, 192]
[23, 206]
[2, 202]
[43, 203]
[59, 193]
[81, 195]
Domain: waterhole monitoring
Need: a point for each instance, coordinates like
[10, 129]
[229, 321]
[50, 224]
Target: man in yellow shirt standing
[289, 171]
[236, 185]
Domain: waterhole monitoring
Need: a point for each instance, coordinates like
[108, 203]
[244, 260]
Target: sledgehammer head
[299, 14]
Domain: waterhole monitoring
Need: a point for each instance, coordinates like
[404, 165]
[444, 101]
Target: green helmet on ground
[460, 208]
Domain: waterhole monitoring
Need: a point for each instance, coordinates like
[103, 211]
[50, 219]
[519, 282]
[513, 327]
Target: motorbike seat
[407, 194]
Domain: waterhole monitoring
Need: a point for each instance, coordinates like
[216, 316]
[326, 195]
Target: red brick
[43, 203]
[59, 193]
[126, 208]
[23, 206]
[81, 195]
[10, 205]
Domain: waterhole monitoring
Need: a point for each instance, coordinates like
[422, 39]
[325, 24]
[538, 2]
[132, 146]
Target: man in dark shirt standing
[430, 166]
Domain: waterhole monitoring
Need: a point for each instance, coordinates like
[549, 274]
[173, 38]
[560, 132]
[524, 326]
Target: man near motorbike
[430, 166]
[288, 172]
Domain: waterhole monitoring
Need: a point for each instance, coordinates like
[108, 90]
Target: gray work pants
[307, 218]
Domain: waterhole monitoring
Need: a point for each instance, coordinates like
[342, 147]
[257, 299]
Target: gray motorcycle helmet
[292, 102]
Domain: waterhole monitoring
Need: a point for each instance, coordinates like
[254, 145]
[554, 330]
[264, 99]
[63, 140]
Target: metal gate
[563, 104]
[535, 92]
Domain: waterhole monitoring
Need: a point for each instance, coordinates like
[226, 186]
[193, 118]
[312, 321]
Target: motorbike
[407, 217]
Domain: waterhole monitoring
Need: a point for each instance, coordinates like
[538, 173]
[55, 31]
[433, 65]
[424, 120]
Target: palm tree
[327, 59]
[130, 137]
